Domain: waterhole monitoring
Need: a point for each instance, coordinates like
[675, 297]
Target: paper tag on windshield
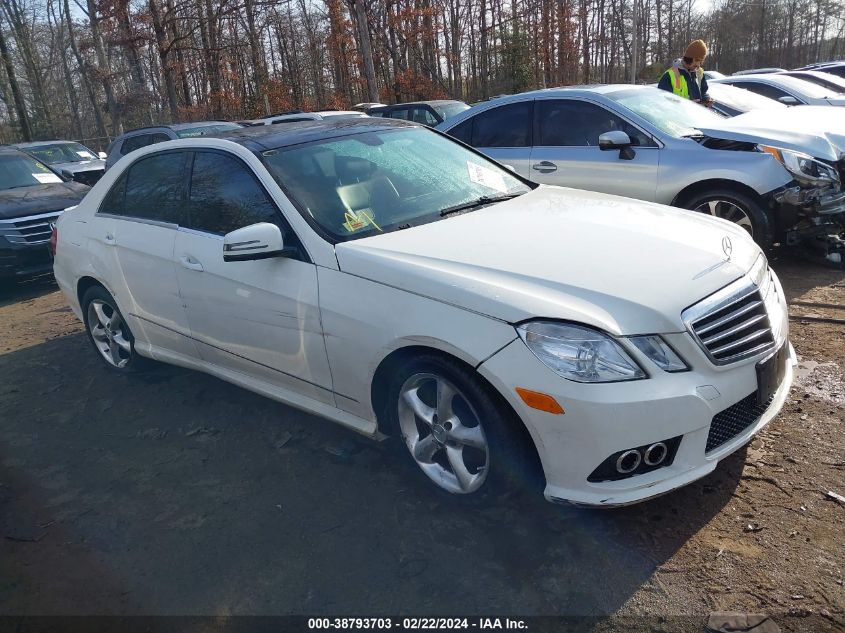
[487, 177]
[88, 155]
[46, 179]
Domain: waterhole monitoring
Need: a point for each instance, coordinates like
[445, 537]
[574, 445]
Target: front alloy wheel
[729, 211]
[443, 433]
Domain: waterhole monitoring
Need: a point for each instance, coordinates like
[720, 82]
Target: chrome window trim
[130, 218]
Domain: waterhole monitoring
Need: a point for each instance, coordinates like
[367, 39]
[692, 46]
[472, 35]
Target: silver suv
[645, 143]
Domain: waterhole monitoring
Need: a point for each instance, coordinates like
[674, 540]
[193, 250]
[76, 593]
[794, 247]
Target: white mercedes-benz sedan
[384, 276]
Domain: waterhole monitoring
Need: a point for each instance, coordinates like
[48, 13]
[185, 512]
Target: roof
[40, 143]
[261, 138]
[175, 126]
[412, 103]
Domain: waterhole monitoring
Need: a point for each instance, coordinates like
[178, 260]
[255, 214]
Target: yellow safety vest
[679, 83]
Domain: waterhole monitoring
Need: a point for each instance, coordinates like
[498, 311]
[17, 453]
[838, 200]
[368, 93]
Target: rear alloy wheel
[458, 433]
[108, 331]
[738, 208]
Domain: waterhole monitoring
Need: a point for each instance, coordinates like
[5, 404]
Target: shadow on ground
[173, 492]
[14, 290]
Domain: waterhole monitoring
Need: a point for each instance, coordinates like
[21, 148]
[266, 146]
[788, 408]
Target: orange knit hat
[696, 50]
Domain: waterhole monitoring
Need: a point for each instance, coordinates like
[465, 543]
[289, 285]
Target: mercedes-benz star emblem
[727, 247]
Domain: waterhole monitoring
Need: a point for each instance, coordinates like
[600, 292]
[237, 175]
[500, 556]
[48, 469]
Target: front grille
[33, 229]
[736, 322]
[729, 423]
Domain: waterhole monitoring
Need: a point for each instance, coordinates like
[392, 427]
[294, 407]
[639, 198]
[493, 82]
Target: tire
[109, 333]
[479, 452]
[738, 208]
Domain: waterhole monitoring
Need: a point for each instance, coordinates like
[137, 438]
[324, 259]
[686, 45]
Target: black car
[428, 113]
[31, 198]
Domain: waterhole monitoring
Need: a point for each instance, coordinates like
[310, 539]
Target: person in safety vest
[686, 76]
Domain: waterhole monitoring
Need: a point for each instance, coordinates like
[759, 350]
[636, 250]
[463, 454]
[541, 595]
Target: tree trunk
[20, 107]
[363, 30]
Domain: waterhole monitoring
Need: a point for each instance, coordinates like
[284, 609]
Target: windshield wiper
[477, 203]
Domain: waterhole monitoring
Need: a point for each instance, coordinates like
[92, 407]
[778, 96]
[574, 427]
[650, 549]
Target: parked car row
[501, 333]
[774, 176]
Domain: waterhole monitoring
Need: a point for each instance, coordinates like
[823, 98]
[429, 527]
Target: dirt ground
[175, 493]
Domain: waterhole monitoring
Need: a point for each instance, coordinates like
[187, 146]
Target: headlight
[659, 352]
[803, 166]
[579, 353]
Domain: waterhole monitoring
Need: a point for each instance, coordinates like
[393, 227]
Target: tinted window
[142, 140]
[463, 132]
[424, 116]
[563, 122]
[155, 188]
[763, 89]
[398, 113]
[226, 196]
[505, 126]
[114, 201]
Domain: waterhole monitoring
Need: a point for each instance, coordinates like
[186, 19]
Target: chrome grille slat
[742, 341]
[734, 330]
[33, 229]
[729, 317]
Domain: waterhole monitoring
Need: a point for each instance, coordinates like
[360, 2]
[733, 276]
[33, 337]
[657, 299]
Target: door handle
[109, 240]
[544, 166]
[190, 263]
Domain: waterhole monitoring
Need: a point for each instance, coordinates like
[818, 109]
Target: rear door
[140, 217]
[566, 150]
[259, 317]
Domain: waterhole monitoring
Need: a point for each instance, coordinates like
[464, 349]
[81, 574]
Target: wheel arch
[394, 361]
[84, 284]
[690, 191]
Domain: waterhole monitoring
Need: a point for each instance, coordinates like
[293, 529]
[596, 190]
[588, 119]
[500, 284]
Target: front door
[566, 151]
[257, 317]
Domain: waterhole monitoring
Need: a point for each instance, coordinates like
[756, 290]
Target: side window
[398, 113]
[142, 140]
[225, 196]
[573, 123]
[763, 89]
[422, 115]
[155, 188]
[463, 131]
[505, 126]
[134, 142]
[113, 202]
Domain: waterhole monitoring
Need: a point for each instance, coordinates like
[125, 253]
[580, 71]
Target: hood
[85, 165]
[815, 130]
[622, 265]
[22, 201]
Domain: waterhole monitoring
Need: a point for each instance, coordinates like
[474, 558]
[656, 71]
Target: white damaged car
[381, 275]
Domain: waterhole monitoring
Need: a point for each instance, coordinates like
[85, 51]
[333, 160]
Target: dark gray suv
[141, 137]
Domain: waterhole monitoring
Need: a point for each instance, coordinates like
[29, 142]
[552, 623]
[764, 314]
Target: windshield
[205, 130]
[741, 99]
[61, 153]
[365, 184]
[673, 115]
[446, 110]
[19, 170]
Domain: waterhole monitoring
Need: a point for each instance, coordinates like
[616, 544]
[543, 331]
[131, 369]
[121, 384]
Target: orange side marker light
[540, 401]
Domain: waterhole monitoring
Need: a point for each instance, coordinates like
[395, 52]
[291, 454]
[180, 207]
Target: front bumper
[24, 260]
[603, 419]
[824, 201]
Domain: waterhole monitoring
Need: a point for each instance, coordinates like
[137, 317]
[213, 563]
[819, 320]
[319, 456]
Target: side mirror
[789, 100]
[617, 139]
[102, 155]
[257, 241]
